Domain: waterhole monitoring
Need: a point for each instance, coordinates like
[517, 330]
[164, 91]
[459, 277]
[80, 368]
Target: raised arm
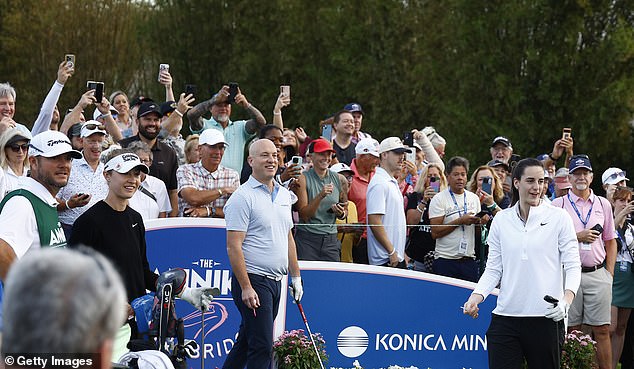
[43, 121]
[257, 120]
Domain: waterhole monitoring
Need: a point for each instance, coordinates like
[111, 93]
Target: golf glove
[297, 290]
[558, 312]
[200, 297]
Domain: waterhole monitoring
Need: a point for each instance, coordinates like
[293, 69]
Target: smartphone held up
[99, 89]
[162, 67]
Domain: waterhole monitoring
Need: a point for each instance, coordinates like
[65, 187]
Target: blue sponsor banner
[199, 246]
[379, 316]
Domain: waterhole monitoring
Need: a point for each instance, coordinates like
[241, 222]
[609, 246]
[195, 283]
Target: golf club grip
[301, 311]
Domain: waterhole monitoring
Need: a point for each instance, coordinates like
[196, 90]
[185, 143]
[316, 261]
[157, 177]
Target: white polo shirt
[526, 260]
[266, 219]
[385, 198]
[448, 247]
[147, 206]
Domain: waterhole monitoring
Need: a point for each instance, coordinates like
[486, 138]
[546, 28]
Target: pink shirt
[601, 214]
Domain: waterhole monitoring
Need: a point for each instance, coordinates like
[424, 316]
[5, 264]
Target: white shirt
[83, 179]
[145, 205]
[448, 247]
[387, 200]
[526, 260]
[18, 226]
[13, 181]
[625, 255]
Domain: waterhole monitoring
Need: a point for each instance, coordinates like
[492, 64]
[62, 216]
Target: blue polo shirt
[236, 136]
[266, 219]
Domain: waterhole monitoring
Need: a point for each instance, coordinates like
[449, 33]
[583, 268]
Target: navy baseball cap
[353, 108]
[579, 161]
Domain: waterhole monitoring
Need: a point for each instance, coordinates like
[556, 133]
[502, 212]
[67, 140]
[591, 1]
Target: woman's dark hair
[518, 172]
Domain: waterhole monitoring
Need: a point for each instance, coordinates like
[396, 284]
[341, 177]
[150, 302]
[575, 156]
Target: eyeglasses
[18, 148]
[617, 175]
[92, 126]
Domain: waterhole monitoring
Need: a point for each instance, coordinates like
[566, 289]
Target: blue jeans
[254, 345]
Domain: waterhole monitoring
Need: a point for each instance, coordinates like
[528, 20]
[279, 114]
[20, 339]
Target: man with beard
[28, 216]
[452, 216]
[165, 161]
[236, 133]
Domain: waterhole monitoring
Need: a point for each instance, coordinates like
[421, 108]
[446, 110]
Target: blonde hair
[422, 178]
[498, 192]
[4, 138]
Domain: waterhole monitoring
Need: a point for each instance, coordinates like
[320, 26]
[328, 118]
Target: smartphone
[487, 182]
[233, 92]
[162, 67]
[70, 60]
[434, 183]
[98, 87]
[551, 300]
[411, 156]
[285, 90]
[408, 139]
[297, 161]
[566, 132]
[326, 132]
[190, 90]
[598, 228]
[481, 214]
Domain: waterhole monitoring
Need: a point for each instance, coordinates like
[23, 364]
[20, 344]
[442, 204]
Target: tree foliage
[473, 69]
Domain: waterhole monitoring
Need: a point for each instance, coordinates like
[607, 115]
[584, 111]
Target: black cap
[148, 108]
[503, 140]
[168, 107]
[74, 130]
[139, 100]
[497, 163]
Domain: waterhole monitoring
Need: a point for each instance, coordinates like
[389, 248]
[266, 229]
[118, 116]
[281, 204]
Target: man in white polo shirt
[386, 215]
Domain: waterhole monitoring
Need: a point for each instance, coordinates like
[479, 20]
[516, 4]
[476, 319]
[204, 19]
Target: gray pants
[317, 247]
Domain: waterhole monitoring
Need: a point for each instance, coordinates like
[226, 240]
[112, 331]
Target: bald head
[260, 145]
[263, 160]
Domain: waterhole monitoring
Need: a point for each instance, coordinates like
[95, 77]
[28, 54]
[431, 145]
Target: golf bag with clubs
[158, 324]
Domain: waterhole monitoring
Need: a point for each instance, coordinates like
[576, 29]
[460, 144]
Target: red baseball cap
[321, 145]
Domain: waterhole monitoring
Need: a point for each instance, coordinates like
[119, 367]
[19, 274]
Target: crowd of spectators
[394, 201]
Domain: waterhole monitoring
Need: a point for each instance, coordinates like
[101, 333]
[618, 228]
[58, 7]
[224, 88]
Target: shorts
[623, 287]
[592, 303]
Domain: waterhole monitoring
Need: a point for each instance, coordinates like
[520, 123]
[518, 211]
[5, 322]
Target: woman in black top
[420, 245]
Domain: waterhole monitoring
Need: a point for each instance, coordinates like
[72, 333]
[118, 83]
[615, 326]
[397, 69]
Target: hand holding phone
[162, 67]
[233, 92]
[566, 133]
[98, 87]
[190, 90]
[487, 183]
[434, 182]
[326, 132]
[70, 60]
[285, 90]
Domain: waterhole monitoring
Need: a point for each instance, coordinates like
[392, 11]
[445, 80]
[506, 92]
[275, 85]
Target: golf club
[310, 333]
[202, 337]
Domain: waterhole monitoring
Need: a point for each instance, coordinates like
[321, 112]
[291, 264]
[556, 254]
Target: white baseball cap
[614, 176]
[91, 127]
[50, 144]
[341, 167]
[393, 144]
[367, 146]
[125, 162]
[211, 137]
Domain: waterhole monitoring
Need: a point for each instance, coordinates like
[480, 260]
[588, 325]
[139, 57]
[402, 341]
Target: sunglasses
[617, 175]
[92, 126]
[18, 148]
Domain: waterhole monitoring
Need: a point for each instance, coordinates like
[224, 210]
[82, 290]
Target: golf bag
[157, 321]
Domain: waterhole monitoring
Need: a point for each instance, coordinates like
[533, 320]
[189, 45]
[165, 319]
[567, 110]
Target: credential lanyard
[464, 197]
[574, 207]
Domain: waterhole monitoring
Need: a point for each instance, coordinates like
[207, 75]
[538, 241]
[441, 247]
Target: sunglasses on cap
[18, 148]
[617, 175]
[92, 126]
